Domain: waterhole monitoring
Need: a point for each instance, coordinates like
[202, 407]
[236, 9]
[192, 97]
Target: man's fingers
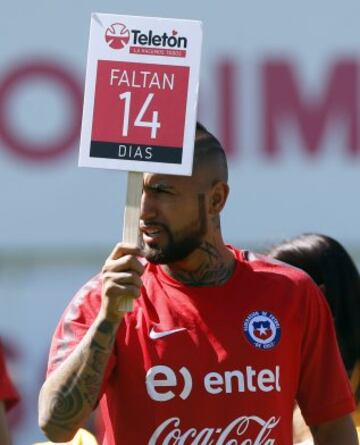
[122, 249]
[123, 278]
[118, 291]
[124, 263]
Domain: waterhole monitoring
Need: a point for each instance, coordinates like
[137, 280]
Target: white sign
[141, 92]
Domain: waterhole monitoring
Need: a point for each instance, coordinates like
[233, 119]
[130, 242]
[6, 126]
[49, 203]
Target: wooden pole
[131, 221]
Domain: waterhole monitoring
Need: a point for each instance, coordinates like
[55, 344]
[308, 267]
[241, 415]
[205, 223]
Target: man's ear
[322, 288]
[218, 196]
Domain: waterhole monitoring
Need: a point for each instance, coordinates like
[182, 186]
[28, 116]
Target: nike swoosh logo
[156, 335]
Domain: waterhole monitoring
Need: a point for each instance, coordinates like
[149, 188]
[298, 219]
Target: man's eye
[161, 190]
[158, 190]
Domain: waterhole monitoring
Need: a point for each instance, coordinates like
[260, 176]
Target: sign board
[140, 99]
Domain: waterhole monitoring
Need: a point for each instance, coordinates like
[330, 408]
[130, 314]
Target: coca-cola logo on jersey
[164, 383]
[235, 433]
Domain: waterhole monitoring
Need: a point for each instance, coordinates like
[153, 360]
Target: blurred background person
[8, 398]
[333, 270]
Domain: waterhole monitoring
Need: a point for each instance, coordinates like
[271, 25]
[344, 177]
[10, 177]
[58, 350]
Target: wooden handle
[131, 221]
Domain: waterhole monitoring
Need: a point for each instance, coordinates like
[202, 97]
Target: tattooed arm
[71, 391]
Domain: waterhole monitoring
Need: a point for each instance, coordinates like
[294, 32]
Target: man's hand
[120, 278]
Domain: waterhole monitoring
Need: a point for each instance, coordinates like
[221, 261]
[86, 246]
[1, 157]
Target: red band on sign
[131, 98]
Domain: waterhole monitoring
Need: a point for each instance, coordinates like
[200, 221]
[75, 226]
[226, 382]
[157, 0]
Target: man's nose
[147, 208]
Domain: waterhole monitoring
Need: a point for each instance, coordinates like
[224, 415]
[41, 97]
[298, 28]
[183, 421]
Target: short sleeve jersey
[8, 394]
[215, 365]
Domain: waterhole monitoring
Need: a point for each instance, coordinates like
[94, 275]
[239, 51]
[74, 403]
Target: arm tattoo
[91, 385]
[106, 327]
[81, 390]
[66, 403]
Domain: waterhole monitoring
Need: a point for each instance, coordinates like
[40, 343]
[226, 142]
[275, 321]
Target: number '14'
[154, 124]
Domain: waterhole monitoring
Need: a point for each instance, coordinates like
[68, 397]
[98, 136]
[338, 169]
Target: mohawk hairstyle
[208, 151]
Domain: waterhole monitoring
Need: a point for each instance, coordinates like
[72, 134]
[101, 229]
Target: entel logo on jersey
[262, 329]
[164, 383]
[117, 36]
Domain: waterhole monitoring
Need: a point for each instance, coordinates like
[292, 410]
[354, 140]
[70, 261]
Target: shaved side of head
[210, 155]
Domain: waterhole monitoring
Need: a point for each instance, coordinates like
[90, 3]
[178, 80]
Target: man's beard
[179, 245]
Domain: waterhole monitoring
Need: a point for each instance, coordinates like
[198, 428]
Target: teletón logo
[117, 36]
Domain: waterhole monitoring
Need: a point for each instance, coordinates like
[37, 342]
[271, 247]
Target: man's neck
[209, 265]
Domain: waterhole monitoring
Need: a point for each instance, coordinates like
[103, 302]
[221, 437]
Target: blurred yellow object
[355, 384]
[82, 437]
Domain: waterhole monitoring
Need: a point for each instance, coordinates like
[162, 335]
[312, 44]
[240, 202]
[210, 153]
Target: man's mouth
[151, 233]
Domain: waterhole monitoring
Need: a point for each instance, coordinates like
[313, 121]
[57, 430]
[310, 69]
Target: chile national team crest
[262, 329]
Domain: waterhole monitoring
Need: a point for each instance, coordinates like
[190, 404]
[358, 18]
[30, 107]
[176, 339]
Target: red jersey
[215, 365]
[8, 394]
